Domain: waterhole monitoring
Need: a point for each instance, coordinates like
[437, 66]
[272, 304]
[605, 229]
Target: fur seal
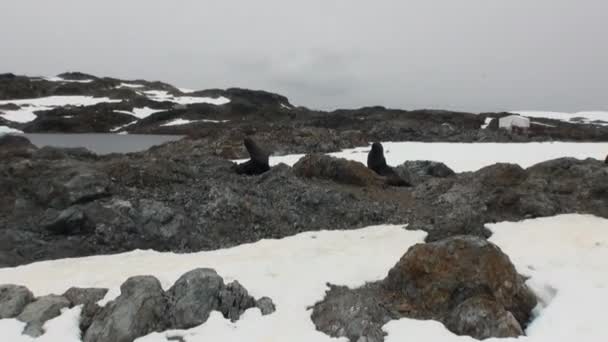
[606, 161]
[377, 162]
[258, 163]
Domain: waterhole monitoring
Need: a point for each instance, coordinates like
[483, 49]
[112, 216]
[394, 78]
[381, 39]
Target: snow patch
[123, 126]
[59, 79]
[463, 157]
[9, 130]
[29, 106]
[163, 95]
[141, 113]
[130, 85]
[178, 122]
[486, 123]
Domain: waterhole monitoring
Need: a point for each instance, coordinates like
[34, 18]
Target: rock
[482, 318]
[67, 222]
[377, 162]
[258, 163]
[158, 220]
[501, 174]
[265, 305]
[12, 145]
[79, 296]
[140, 309]
[41, 310]
[419, 171]
[234, 300]
[355, 314]
[465, 282]
[13, 299]
[193, 296]
[435, 277]
[336, 169]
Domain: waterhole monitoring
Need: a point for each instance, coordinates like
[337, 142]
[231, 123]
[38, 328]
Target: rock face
[13, 299]
[465, 282]
[41, 310]
[15, 146]
[339, 170]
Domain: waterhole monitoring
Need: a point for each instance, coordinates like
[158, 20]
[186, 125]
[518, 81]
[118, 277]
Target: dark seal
[258, 163]
[377, 162]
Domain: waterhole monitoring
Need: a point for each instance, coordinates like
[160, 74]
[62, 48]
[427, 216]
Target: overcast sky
[475, 55]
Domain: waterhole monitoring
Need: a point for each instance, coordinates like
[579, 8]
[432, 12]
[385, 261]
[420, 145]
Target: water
[101, 143]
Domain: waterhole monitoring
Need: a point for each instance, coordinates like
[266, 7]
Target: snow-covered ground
[8, 130]
[581, 117]
[59, 79]
[178, 122]
[469, 156]
[29, 106]
[162, 95]
[566, 257]
[140, 113]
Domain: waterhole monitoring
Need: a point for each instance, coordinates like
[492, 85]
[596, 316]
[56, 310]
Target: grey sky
[471, 55]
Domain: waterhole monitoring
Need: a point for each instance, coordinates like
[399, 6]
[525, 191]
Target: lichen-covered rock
[336, 169]
[41, 310]
[13, 299]
[465, 282]
[79, 296]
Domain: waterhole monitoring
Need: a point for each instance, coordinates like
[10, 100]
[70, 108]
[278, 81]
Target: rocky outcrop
[12, 145]
[141, 308]
[465, 282]
[338, 170]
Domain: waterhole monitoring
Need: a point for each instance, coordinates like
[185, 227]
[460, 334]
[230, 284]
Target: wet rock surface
[465, 282]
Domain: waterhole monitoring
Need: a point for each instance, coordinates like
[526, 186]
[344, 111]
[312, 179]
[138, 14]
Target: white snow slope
[8, 130]
[29, 106]
[565, 256]
[162, 95]
[463, 157]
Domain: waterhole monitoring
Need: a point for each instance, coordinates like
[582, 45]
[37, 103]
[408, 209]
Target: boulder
[80, 296]
[234, 300]
[13, 299]
[481, 318]
[193, 296]
[140, 309]
[41, 310]
[265, 305]
[418, 171]
[336, 169]
[66, 222]
[435, 277]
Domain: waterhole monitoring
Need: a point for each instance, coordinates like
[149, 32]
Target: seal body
[377, 163]
[258, 163]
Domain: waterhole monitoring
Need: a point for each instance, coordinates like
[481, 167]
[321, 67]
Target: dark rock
[79, 296]
[41, 310]
[12, 145]
[13, 299]
[66, 222]
[258, 163]
[419, 171]
[193, 296]
[158, 220]
[265, 305]
[377, 162]
[234, 300]
[482, 318]
[336, 169]
[140, 309]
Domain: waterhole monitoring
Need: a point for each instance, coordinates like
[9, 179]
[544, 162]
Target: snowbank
[565, 256]
[178, 122]
[463, 157]
[140, 113]
[162, 95]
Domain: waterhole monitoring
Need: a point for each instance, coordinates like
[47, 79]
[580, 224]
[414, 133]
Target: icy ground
[566, 257]
[463, 157]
